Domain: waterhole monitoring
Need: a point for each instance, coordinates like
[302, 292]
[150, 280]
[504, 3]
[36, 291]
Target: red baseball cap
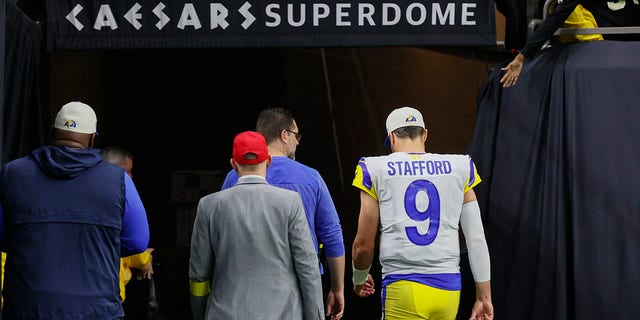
[250, 142]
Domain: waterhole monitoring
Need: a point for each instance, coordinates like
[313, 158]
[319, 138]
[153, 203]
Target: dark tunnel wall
[178, 110]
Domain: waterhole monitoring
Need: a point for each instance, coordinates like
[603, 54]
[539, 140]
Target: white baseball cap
[76, 117]
[402, 117]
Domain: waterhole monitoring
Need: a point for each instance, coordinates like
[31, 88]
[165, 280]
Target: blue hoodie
[67, 218]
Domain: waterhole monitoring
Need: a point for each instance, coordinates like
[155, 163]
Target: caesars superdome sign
[264, 23]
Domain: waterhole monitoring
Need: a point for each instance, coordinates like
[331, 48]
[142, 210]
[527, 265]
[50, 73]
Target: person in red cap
[280, 128]
[252, 256]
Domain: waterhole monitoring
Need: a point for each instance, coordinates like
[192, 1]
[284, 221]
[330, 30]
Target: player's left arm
[471, 224]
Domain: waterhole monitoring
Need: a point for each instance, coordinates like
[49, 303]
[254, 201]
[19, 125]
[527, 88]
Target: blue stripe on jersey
[366, 177]
[444, 281]
[472, 173]
[383, 297]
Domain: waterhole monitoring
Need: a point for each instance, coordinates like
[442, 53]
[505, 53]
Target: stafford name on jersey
[418, 168]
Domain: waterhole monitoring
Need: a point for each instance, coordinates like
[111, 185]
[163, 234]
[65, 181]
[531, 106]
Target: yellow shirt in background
[580, 18]
[136, 261]
[4, 258]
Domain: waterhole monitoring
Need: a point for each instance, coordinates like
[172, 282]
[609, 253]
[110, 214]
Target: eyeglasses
[297, 134]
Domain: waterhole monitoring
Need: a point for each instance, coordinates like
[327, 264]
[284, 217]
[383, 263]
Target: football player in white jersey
[418, 200]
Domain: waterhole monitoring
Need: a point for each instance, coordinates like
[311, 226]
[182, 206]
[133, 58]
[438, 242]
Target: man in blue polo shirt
[281, 131]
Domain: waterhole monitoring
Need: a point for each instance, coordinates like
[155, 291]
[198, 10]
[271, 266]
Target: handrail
[573, 31]
[545, 9]
[603, 30]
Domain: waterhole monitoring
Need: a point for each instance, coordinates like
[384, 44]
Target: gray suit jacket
[252, 242]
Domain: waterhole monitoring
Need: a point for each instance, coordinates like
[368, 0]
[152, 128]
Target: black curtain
[3, 23]
[515, 14]
[22, 126]
[559, 156]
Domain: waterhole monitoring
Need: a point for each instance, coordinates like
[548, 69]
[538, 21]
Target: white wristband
[359, 276]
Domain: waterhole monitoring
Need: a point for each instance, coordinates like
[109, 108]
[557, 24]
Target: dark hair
[411, 132]
[115, 154]
[272, 121]
[250, 156]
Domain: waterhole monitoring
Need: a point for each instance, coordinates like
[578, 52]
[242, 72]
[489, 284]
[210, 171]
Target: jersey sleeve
[363, 179]
[474, 177]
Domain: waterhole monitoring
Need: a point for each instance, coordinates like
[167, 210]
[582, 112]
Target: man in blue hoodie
[66, 218]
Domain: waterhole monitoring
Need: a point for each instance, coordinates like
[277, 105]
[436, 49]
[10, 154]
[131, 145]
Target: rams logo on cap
[410, 119]
[70, 124]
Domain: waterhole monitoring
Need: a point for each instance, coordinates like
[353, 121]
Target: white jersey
[420, 197]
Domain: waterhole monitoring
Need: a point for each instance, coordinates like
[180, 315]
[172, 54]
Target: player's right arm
[364, 244]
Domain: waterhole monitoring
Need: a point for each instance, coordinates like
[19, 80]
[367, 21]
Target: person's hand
[366, 289]
[482, 310]
[512, 71]
[335, 305]
[147, 272]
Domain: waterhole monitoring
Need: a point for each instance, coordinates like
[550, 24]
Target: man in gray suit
[252, 256]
